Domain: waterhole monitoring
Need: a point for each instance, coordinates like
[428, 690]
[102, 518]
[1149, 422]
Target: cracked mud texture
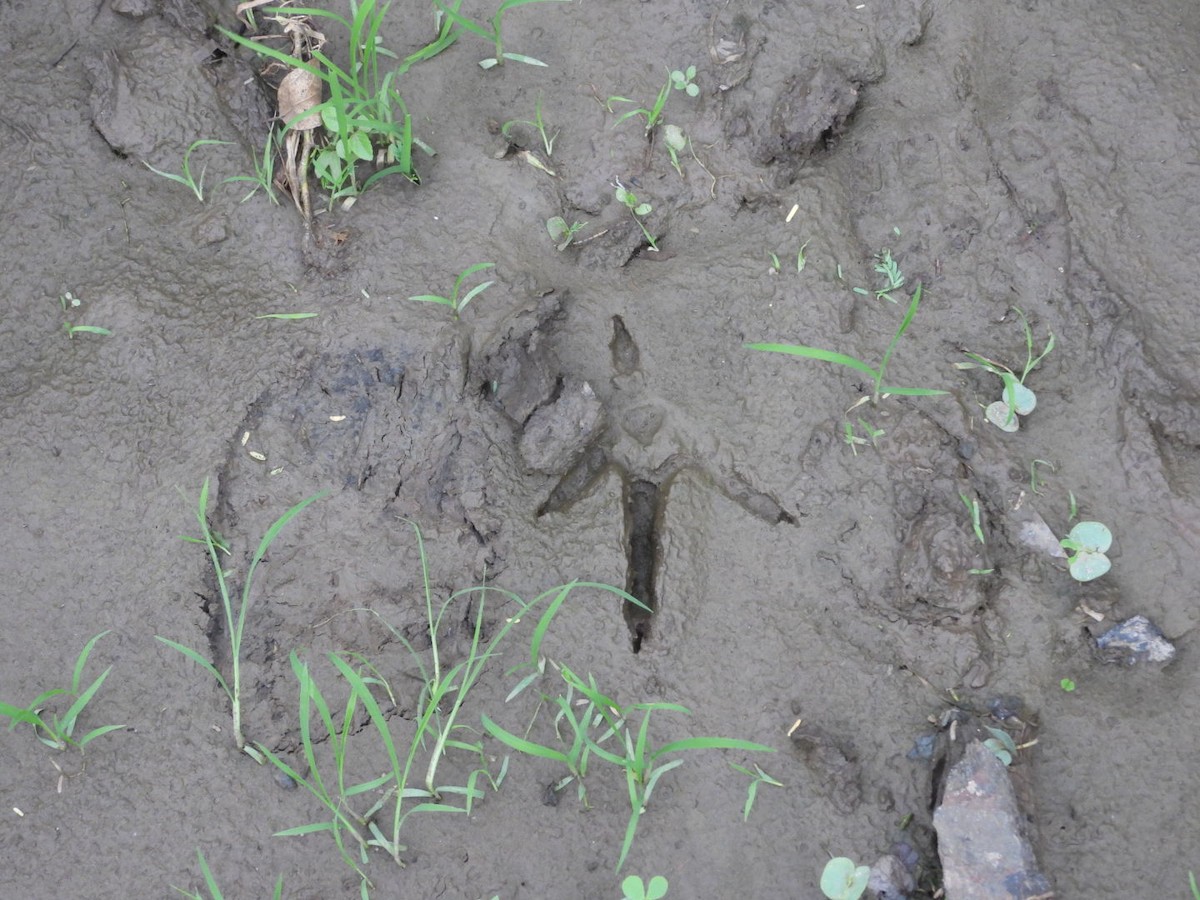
[792, 578]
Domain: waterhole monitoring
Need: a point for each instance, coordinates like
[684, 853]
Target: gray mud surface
[594, 415]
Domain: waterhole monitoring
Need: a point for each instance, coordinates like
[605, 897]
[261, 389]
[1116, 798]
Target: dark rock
[1133, 641]
[811, 109]
[985, 853]
[890, 879]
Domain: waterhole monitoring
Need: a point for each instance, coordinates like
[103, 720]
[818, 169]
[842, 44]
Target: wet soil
[594, 415]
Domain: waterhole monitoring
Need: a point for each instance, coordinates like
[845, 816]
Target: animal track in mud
[645, 491]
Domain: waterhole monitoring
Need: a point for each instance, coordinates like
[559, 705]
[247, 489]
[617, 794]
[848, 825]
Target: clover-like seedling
[681, 80]
[1001, 744]
[1017, 399]
[639, 211]
[1088, 543]
[561, 233]
[635, 889]
[676, 142]
[843, 880]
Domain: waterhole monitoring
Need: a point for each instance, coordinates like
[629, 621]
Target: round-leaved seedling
[843, 880]
[1088, 542]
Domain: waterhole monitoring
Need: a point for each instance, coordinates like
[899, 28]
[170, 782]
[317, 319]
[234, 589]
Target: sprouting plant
[69, 301]
[801, 260]
[537, 123]
[757, 777]
[58, 731]
[458, 304]
[887, 266]
[235, 621]
[604, 719]
[676, 142]
[1001, 744]
[652, 114]
[851, 438]
[1192, 884]
[841, 359]
[410, 785]
[635, 889]
[561, 233]
[264, 170]
[1035, 480]
[638, 210]
[775, 264]
[1088, 543]
[843, 880]
[973, 511]
[1072, 506]
[681, 80]
[187, 179]
[214, 891]
[1067, 685]
[1018, 400]
[493, 34]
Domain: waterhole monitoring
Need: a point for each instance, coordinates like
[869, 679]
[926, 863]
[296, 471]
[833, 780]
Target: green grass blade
[711, 743]
[817, 353]
[521, 745]
[77, 675]
[912, 392]
[452, 13]
[314, 828]
[433, 298]
[473, 293]
[372, 707]
[97, 732]
[200, 661]
[82, 701]
[19, 715]
[209, 881]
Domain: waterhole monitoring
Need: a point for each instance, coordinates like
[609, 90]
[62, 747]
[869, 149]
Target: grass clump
[58, 731]
[877, 374]
[619, 735]
[235, 619]
[366, 813]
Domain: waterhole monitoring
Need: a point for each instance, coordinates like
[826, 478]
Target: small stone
[557, 434]
[284, 780]
[1133, 641]
[890, 879]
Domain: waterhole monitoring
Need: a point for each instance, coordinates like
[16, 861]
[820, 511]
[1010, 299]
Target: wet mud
[812, 576]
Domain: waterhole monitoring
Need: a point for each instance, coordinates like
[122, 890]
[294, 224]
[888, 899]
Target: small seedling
[1001, 744]
[638, 210]
[235, 623]
[537, 123]
[214, 891]
[1018, 400]
[681, 80]
[757, 777]
[676, 142]
[187, 179]
[635, 889]
[264, 170]
[561, 233]
[493, 34]
[58, 732]
[1067, 685]
[801, 259]
[887, 266]
[69, 301]
[1192, 884]
[843, 880]
[841, 359]
[1072, 506]
[652, 115]
[457, 304]
[1035, 480]
[853, 441]
[775, 264]
[1088, 542]
[972, 506]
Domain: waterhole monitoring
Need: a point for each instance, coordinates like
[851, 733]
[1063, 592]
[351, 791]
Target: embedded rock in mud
[934, 582]
[834, 766]
[557, 433]
[984, 851]
[150, 94]
[811, 109]
[1133, 641]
